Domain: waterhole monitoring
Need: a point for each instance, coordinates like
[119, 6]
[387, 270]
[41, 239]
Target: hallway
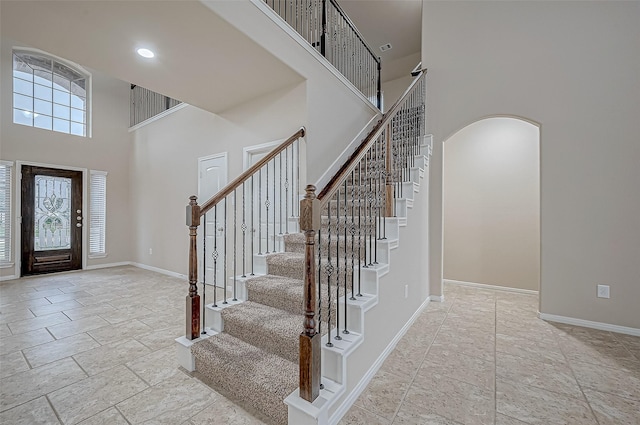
[96, 347]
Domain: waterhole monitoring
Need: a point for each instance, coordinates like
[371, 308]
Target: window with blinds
[97, 212]
[5, 212]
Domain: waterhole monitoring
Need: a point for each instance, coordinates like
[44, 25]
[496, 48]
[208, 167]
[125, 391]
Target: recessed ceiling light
[145, 53]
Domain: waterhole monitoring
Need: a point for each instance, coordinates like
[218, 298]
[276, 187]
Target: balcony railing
[329, 30]
[147, 104]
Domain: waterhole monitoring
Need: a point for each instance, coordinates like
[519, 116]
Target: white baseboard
[159, 270]
[589, 324]
[494, 287]
[108, 265]
[3, 278]
[437, 298]
[360, 387]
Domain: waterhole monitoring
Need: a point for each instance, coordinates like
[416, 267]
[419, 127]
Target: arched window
[49, 94]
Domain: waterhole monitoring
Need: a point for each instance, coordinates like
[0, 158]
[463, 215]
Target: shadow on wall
[491, 204]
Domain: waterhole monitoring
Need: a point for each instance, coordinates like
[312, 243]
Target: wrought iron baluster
[244, 232]
[329, 272]
[266, 204]
[260, 212]
[365, 199]
[346, 263]
[253, 227]
[280, 189]
[286, 191]
[204, 275]
[214, 254]
[235, 241]
[353, 233]
[274, 206]
[224, 277]
[338, 219]
[320, 280]
[360, 245]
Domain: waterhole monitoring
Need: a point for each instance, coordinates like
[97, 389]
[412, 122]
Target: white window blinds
[97, 212]
[5, 211]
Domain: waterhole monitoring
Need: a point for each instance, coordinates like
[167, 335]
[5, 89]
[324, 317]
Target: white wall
[164, 166]
[393, 89]
[107, 150]
[336, 113]
[573, 67]
[491, 189]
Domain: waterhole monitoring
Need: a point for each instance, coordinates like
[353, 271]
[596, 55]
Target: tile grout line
[595, 417]
[55, 412]
[413, 378]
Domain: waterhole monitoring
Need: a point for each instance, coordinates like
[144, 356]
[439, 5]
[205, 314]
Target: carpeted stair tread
[259, 378]
[287, 264]
[280, 292]
[268, 328]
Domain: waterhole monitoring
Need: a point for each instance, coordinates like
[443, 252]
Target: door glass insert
[52, 213]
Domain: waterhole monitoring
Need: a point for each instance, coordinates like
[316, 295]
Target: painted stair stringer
[335, 359]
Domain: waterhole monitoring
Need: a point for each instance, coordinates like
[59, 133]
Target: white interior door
[273, 196]
[212, 176]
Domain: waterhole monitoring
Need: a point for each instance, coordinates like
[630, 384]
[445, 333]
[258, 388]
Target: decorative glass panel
[52, 213]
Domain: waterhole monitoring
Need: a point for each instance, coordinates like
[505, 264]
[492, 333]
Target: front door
[51, 220]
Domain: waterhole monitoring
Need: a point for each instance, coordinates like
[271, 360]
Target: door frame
[205, 158]
[18, 209]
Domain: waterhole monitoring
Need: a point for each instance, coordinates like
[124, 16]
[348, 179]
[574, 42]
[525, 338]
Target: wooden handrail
[334, 184]
[222, 193]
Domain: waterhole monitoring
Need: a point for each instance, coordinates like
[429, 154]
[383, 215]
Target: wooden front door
[51, 220]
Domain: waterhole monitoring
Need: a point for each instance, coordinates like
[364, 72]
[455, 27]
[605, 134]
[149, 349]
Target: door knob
[78, 224]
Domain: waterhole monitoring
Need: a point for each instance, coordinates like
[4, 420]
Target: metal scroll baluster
[235, 241]
[253, 228]
[383, 182]
[297, 145]
[370, 194]
[266, 204]
[338, 219]
[360, 202]
[286, 191]
[320, 280]
[377, 202]
[244, 232]
[345, 331]
[260, 212]
[224, 275]
[329, 271]
[353, 233]
[274, 204]
[214, 254]
[204, 275]
[280, 189]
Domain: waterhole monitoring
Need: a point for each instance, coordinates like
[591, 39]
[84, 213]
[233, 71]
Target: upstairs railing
[240, 220]
[344, 224]
[147, 104]
[329, 30]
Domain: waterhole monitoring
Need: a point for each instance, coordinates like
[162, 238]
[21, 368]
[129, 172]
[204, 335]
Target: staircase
[252, 351]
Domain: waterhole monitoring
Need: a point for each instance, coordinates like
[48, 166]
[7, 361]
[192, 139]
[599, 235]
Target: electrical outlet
[406, 291]
[150, 251]
[603, 291]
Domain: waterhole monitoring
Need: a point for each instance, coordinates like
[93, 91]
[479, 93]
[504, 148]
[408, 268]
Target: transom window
[49, 94]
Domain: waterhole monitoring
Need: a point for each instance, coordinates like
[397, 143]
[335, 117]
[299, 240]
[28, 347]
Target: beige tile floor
[96, 347]
[483, 357]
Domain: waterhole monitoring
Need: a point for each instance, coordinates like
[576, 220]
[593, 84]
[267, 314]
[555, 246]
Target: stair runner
[255, 358]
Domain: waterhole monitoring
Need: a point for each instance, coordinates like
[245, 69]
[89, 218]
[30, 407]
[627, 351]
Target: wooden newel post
[193, 299]
[389, 169]
[309, 338]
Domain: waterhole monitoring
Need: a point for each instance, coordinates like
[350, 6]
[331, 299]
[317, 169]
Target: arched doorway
[491, 204]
